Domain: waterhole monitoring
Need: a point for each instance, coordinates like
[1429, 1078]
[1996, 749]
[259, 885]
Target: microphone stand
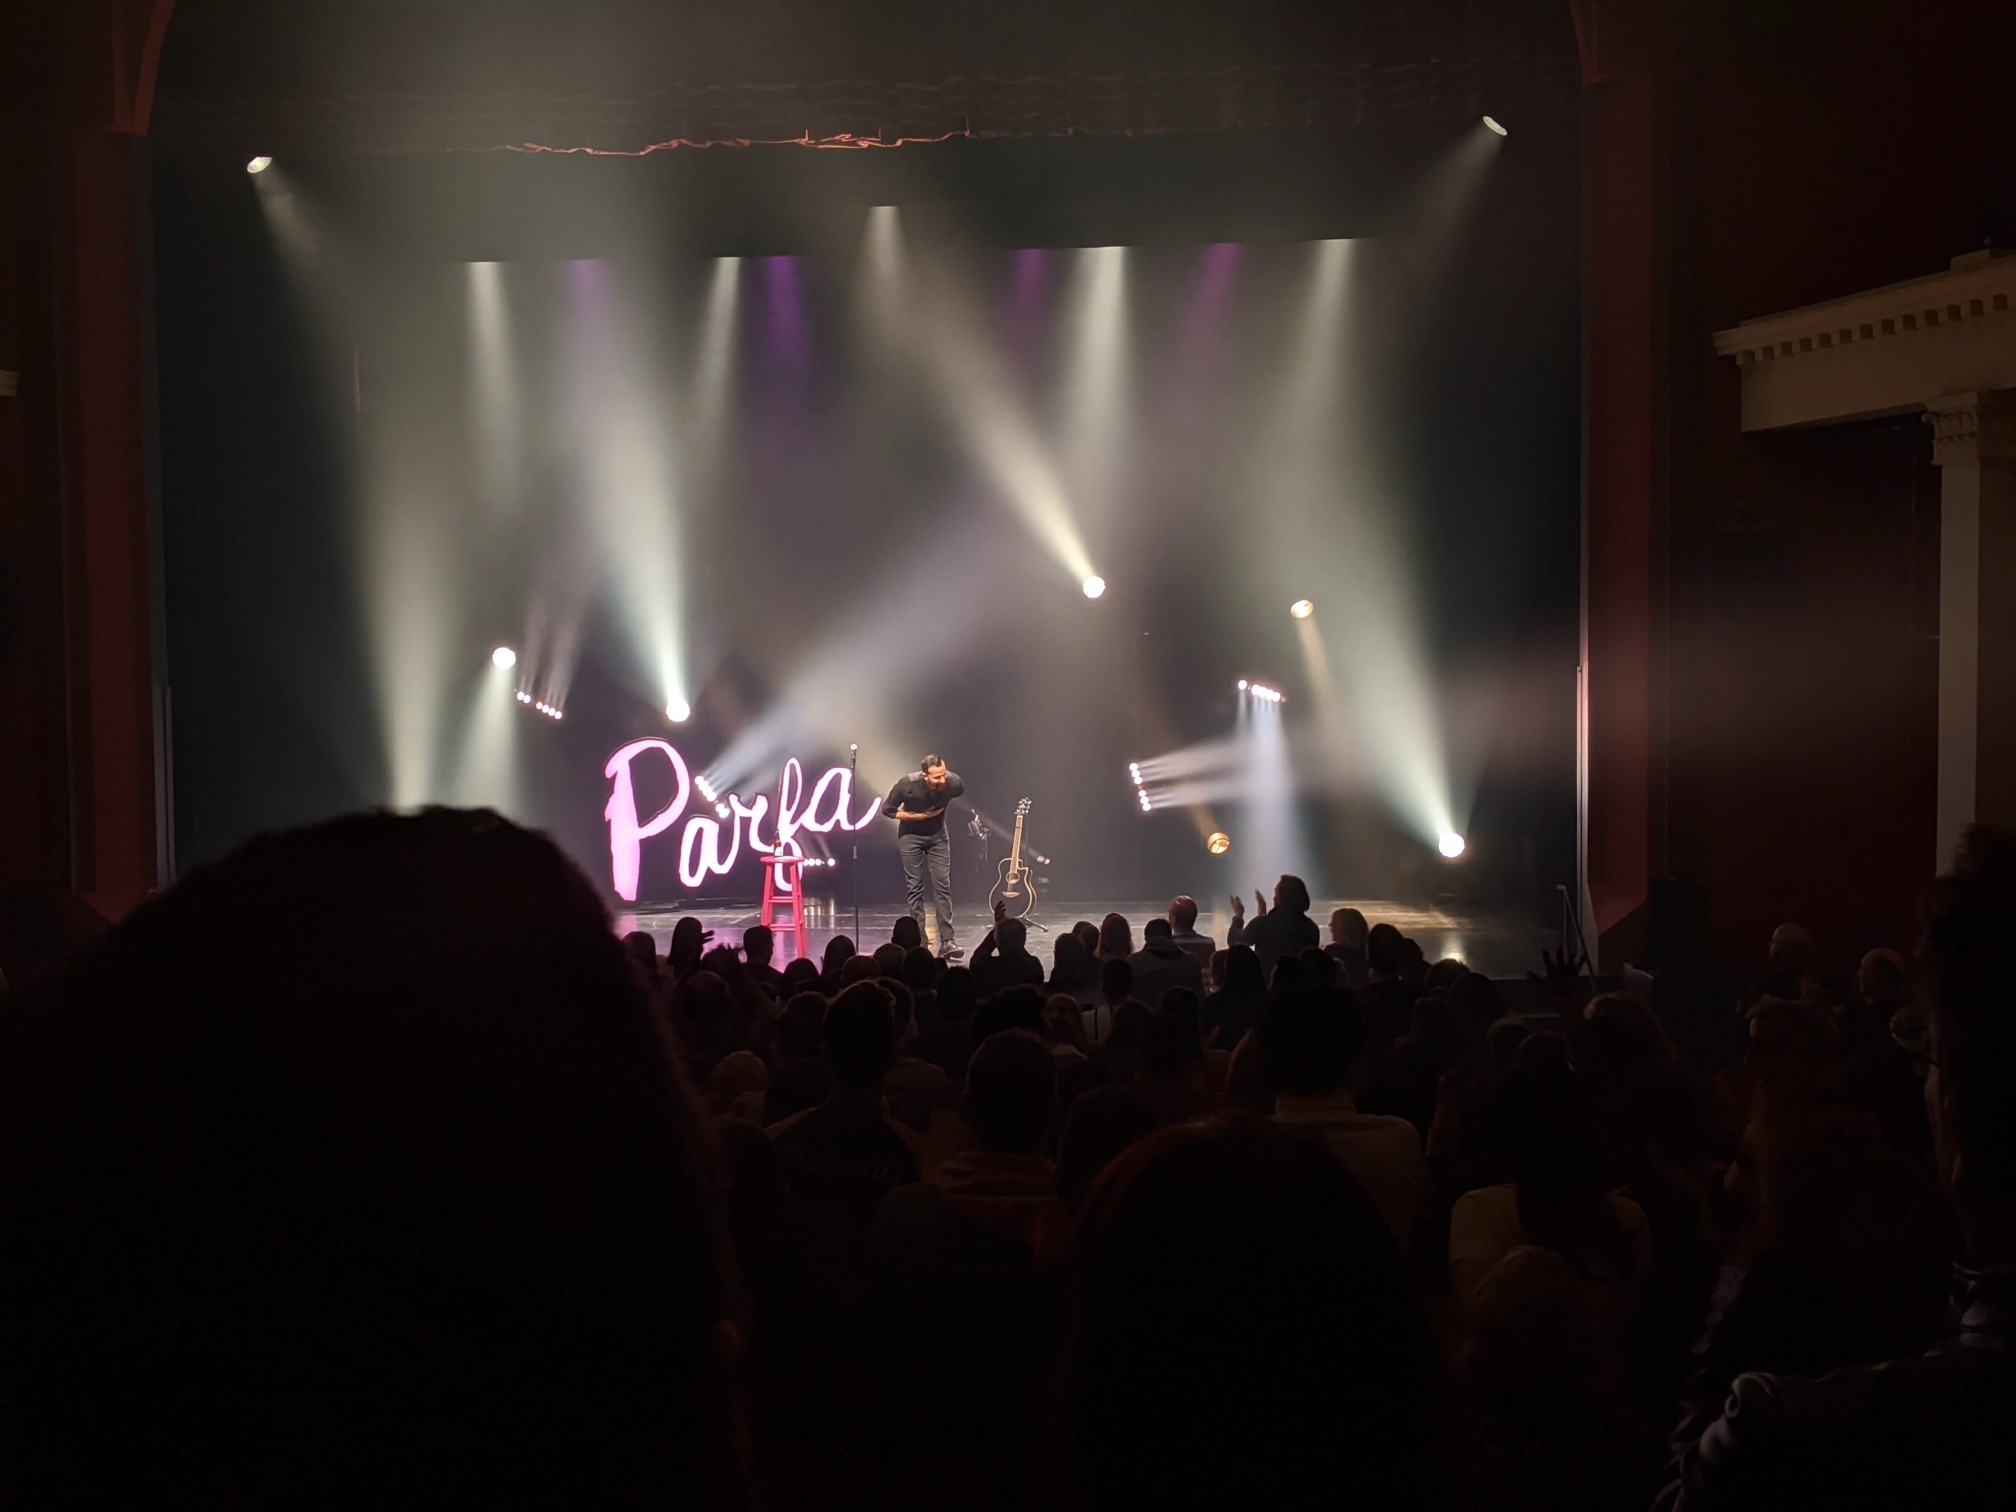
[853, 762]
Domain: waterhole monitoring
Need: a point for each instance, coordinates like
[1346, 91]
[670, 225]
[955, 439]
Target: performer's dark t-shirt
[917, 795]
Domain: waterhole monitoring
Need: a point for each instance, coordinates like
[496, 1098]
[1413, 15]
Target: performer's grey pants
[934, 851]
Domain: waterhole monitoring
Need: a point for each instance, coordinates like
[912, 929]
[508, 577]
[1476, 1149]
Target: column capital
[1973, 427]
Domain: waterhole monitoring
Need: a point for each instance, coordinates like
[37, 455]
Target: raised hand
[1559, 973]
[1259, 903]
[1238, 907]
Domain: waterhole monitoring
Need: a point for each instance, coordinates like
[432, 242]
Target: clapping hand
[1238, 907]
[1259, 903]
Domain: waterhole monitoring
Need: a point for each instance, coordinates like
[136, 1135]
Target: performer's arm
[895, 808]
[954, 787]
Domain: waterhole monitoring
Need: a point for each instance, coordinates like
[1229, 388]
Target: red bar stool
[791, 897]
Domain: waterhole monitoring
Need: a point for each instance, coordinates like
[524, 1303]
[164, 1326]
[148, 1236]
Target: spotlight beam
[1327, 485]
[626, 473]
[1094, 398]
[935, 323]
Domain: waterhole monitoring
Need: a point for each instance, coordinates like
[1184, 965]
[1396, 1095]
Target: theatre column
[1974, 443]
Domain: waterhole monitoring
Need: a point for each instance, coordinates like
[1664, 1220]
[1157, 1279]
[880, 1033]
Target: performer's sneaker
[950, 953]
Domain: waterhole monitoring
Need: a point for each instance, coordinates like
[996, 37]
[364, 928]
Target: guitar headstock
[1022, 809]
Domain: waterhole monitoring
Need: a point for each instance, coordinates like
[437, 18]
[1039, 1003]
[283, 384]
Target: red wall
[34, 785]
[1807, 151]
[77, 780]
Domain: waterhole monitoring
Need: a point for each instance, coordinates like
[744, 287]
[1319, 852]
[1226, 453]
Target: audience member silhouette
[759, 945]
[1169, 1073]
[1309, 1046]
[1003, 959]
[843, 1157]
[1236, 1007]
[354, 1171]
[1116, 986]
[1116, 939]
[1279, 931]
[1183, 930]
[1101, 1123]
[949, 1044]
[1348, 930]
[839, 951]
[689, 942]
[1932, 1429]
[1072, 971]
[972, 1313]
[801, 1079]
[1246, 1334]
[1558, 1197]
[1161, 964]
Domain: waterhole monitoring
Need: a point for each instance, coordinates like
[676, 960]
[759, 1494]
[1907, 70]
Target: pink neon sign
[711, 844]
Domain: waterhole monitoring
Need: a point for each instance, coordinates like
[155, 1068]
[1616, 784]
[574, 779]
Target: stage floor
[1499, 945]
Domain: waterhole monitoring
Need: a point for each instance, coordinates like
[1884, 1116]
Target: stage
[1497, 944]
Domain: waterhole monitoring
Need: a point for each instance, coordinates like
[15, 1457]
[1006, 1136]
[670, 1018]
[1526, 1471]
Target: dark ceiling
[624, 76]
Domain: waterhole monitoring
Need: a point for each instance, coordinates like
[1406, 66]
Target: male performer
[917, 804]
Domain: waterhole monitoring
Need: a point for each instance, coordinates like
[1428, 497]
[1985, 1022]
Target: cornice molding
[1976, 287]
[1884, 351]
[1973, 428]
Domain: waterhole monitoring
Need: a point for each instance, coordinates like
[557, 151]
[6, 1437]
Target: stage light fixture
[259, 165]
[678, 711]
[1450, 844]
[1301, 608]
[1218, 843]
[1242, 685]
[1140, 787]
[1496, 127]
[1093, 586]
[504, 657]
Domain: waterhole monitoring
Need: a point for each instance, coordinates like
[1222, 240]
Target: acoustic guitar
[1015, 890]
